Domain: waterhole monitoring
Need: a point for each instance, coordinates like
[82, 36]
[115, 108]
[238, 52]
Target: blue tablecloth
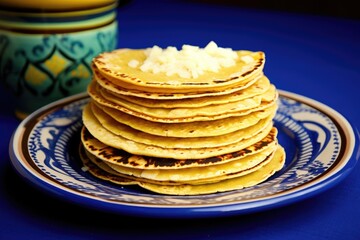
[314, 56]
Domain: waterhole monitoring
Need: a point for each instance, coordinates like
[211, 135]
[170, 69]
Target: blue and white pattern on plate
[319, 145]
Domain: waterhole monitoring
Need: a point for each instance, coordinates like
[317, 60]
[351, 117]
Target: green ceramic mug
[46, 47]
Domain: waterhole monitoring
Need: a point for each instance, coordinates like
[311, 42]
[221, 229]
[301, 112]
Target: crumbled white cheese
[85, 168]
[189, 62]
[247, 59]
[133, 63]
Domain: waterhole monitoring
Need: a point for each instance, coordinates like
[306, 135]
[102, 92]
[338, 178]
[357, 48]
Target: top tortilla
[114, 66]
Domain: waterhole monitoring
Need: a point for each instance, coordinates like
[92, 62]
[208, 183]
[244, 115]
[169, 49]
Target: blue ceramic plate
[319, 143]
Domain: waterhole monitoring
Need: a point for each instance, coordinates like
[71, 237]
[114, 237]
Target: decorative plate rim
[23, 163]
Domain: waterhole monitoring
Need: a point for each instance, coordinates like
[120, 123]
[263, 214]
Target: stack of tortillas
[181, 122]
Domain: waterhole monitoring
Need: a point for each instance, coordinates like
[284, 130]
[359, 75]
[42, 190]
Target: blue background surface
[315, 56]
